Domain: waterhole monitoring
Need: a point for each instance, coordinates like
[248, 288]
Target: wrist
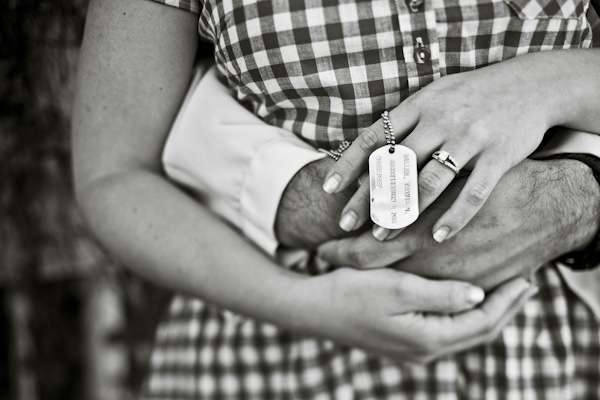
[307, 216]
[311, 306]
[586, 256]
[578, 205]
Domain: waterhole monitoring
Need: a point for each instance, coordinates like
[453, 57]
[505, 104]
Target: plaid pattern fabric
[188, 5]
[551, 350]
[324, 69]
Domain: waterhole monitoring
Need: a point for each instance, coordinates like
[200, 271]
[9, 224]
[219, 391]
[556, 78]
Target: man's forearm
[539, 211]
[307, 216]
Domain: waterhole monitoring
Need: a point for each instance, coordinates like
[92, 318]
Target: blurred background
[73, 324]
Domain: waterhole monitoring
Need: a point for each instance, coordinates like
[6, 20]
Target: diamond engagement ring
[445, 158]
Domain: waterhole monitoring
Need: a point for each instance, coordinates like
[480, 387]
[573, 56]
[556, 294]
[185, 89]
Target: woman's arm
[135, 63]
[488, 120]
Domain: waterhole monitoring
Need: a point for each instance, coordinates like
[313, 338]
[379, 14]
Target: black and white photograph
[299, 199]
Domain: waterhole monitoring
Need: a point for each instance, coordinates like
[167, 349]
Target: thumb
[438, 296]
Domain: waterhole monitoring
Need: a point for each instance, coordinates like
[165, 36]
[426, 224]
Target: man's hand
[307, 216]
[539, 211]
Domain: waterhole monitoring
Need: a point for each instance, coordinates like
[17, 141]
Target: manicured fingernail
[476, 295]
[363, 179]
[348, 221]
[441, 234]
[381, 233]
[332, 183]
[535, 290]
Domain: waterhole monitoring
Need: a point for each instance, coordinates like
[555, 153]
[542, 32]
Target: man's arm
[539, 211]
[264, 180]
[136, 56]
[234, 162]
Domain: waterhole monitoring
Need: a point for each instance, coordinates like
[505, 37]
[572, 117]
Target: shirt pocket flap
[548, 9]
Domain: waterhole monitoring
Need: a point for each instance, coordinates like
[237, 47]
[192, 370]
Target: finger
[492, 333]
[433, 179]
[479, 186]
[380, 233]
[354, 160]
[363, 179]
[366, 252]
[425, 295]
[394, 234]
[500, 305]
[423, 141]
[356, 211]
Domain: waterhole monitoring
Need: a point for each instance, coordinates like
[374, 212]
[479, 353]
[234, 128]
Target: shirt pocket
[451, 11]
[547, 9]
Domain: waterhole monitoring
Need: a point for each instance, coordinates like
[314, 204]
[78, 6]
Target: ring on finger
[443, 157]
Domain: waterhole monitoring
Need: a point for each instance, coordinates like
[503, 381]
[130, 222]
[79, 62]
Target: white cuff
[268, 175]
[237, 165]
[570, 141]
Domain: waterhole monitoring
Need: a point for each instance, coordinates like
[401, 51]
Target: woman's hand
[406, 317]
[541, 210]
[488, 120]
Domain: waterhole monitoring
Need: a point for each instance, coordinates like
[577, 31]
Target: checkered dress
[324, 69]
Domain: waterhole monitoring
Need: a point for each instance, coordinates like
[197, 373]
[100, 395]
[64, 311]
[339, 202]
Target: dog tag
[393, 180]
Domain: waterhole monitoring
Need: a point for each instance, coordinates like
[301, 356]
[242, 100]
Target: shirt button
[422, 53]
[415, 5]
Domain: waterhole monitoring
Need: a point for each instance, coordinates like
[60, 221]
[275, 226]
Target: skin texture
[489, 120]
[136, 59]
[539, 211]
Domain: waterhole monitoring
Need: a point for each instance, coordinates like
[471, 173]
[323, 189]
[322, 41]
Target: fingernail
[476, 295]
[381, 233]
[441, 234]
[332, 183]
[363, 179]
[534, 290]
[348, 221]
[530, 290]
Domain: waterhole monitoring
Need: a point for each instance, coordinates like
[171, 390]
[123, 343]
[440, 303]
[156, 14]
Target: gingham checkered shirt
[323, 69]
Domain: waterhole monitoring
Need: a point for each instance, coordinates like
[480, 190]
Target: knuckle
[360, 257]
[455, 298]
[368, 139]
[477, 195]
[429, 183]
[399, 289]
[354, 256]
[411, 244]
[478, 133]
[346, 164]
[363, 195]
[367, 259]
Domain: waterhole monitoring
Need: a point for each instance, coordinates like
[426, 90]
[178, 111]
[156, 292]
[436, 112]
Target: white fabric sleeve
[235, 163]
[566, 140]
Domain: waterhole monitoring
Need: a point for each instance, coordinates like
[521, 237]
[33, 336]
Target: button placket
[415, 5]
[422, 54]
[420, 48]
